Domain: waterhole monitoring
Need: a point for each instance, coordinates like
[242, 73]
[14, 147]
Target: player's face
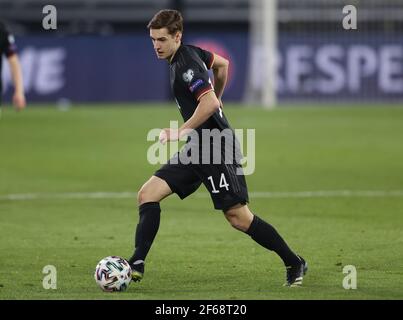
[164, 43]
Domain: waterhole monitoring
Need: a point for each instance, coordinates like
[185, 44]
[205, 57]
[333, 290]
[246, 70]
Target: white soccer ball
[113, 274]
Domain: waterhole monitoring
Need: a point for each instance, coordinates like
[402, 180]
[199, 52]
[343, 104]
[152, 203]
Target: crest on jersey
[188, 75]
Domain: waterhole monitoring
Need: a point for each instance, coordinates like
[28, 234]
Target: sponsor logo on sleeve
[195, 85]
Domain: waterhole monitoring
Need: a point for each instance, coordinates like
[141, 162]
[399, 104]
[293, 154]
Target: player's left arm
[208, 105]
[220, 71]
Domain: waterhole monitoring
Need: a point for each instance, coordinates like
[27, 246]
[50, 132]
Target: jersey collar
[175, 57]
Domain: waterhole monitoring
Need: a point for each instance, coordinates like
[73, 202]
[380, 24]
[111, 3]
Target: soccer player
[8, 48]
[200, 105]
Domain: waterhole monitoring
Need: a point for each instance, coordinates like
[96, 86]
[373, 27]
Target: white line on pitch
[256, 194]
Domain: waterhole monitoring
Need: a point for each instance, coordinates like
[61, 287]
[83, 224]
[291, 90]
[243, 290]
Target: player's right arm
[208, 105]
[19, 95]
[9, 49]
[220, 71]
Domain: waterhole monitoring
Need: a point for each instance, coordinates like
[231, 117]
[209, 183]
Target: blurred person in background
[9, 49]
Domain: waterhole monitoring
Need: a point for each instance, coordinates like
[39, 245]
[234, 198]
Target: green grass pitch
[197, 255]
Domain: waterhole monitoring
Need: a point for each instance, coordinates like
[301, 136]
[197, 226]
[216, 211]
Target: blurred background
[280, 51]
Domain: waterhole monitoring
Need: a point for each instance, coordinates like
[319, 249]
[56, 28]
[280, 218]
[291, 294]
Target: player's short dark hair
[167, 18]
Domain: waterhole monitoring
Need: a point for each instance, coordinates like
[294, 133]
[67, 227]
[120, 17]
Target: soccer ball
[113, 274]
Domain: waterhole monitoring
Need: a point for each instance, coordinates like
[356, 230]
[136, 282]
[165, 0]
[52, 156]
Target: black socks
[146, 230]
[259, 230]
[265, 235]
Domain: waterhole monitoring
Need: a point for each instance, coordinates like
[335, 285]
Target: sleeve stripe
[203, 92]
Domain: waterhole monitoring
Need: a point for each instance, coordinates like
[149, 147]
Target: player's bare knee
[239, 217]
[236, 221]
[140, 197]
[237, 224]
[143, 195]
[154, 190]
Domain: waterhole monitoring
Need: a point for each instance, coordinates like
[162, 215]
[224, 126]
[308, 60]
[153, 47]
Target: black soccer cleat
[296, 273]
[137, 271]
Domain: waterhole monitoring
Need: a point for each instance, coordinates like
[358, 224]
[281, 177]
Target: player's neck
[173, 54]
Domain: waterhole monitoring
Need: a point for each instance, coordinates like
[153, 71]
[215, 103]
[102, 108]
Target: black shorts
[226, 187]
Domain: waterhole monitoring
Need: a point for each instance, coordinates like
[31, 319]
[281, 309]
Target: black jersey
[216, 163]
[190, 80]
[7, 46]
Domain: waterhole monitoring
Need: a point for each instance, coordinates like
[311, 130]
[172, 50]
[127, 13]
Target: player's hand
[169, 134]
[19, 101]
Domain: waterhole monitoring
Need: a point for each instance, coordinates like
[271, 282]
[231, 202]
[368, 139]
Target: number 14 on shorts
[223, 183]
